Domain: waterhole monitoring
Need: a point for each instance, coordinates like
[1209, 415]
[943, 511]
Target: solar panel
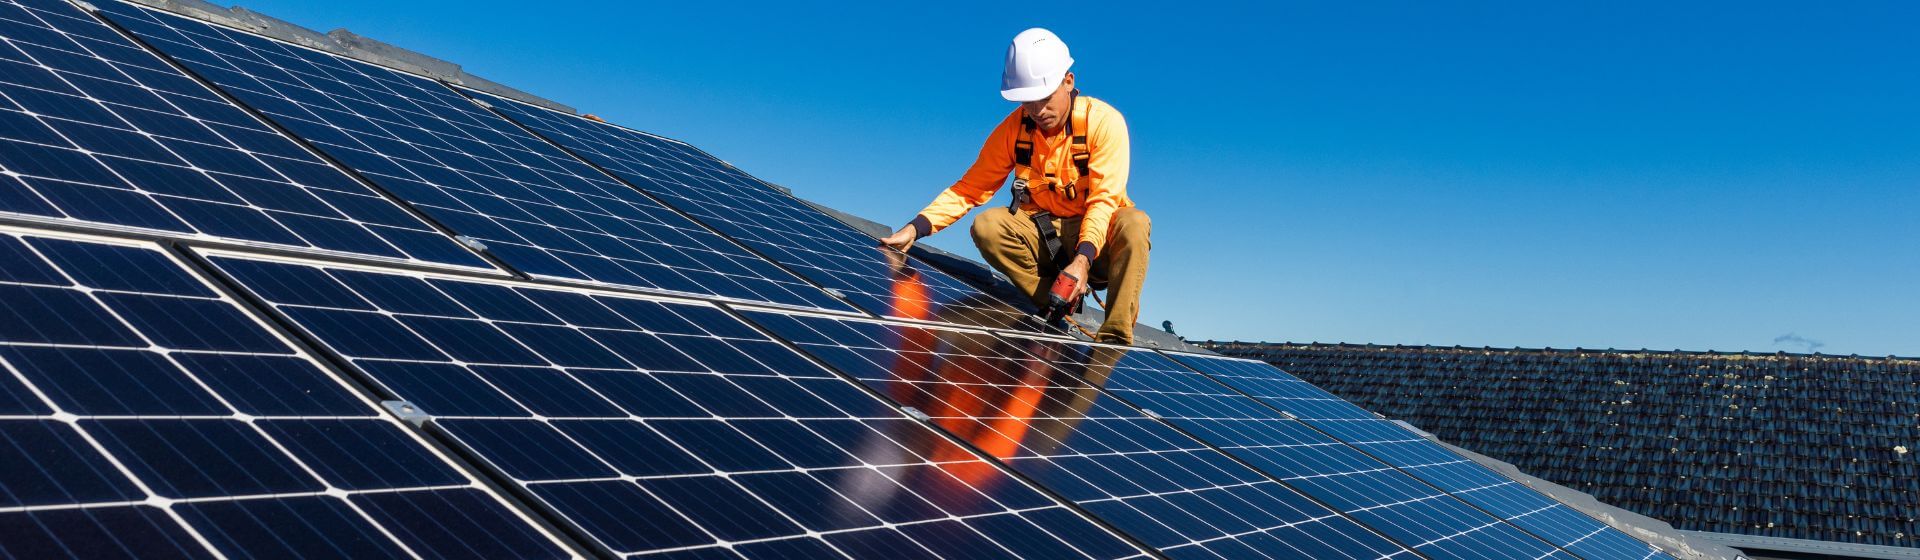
[536, 208]
[1421, 458]
[97, 131]
[1038, 417]
[651, 426]
[788, 231]
[144, 414]
[1399, 506]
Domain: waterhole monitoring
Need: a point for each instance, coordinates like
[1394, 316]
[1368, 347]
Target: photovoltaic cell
[1397, 505]
[1011, 400]
[96, 130]
[536, 208]
[143, 414]
[1420, 458]
[770, 221]
[654, 427]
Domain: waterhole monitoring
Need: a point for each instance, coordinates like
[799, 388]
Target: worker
[1069, 156]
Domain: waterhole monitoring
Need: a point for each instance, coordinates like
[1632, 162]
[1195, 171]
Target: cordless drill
[1060, 300]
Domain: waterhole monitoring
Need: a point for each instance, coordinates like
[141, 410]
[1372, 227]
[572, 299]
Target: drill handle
[1064, 286]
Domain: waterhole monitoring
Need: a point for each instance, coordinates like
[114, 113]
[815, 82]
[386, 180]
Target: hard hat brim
[1030, 93]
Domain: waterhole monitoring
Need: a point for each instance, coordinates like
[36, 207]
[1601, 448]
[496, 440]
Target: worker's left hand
[901, 240]
[1078, 268]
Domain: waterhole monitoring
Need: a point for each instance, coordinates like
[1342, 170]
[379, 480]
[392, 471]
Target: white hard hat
[1036, 64]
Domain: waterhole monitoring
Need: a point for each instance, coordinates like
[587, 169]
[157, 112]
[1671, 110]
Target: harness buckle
[1020, 195]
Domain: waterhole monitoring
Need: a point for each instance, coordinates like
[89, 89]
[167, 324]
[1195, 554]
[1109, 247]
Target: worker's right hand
[900, 240]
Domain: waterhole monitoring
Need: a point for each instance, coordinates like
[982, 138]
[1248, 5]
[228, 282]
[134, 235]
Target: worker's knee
[995, 227]
[1130, 224]
[989, 226]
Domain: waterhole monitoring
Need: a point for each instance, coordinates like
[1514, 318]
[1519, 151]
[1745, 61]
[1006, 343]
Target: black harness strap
[1022, 147]
[1049, 239]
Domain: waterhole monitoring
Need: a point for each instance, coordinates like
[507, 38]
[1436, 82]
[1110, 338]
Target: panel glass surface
[1397, 505]
[96, 130]
[142, 414]
[533, 206]
[770, 221]
[654, 427]
[1010, 400]
[1421, 458]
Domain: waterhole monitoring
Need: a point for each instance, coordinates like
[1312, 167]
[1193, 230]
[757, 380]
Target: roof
[1804, 450]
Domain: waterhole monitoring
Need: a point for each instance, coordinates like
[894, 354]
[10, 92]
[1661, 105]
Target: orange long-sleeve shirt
[1098, 196]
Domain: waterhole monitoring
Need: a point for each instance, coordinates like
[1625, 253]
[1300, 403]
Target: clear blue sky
[1619, 174]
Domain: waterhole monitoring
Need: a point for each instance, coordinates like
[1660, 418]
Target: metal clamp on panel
[407, 412]
[470, 242]
[916, 414]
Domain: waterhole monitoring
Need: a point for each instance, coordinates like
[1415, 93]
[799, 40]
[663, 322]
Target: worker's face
[1051, 112]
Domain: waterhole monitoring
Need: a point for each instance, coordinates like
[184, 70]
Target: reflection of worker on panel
[1069, 157]
[1008, 398]
[957, 475]
[958, 472]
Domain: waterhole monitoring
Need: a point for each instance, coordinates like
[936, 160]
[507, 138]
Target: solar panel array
[773, 222]
[96, 130]
[1421, 458]
[145, 414]
[1044, 421]
[324, 308]
[541, 211]
[652, 426]
[1413, 513]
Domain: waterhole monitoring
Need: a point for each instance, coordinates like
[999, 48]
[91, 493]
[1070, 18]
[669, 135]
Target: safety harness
[1023, 158]
[1077, 134]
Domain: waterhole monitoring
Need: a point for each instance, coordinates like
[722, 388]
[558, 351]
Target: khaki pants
[1010, 242]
